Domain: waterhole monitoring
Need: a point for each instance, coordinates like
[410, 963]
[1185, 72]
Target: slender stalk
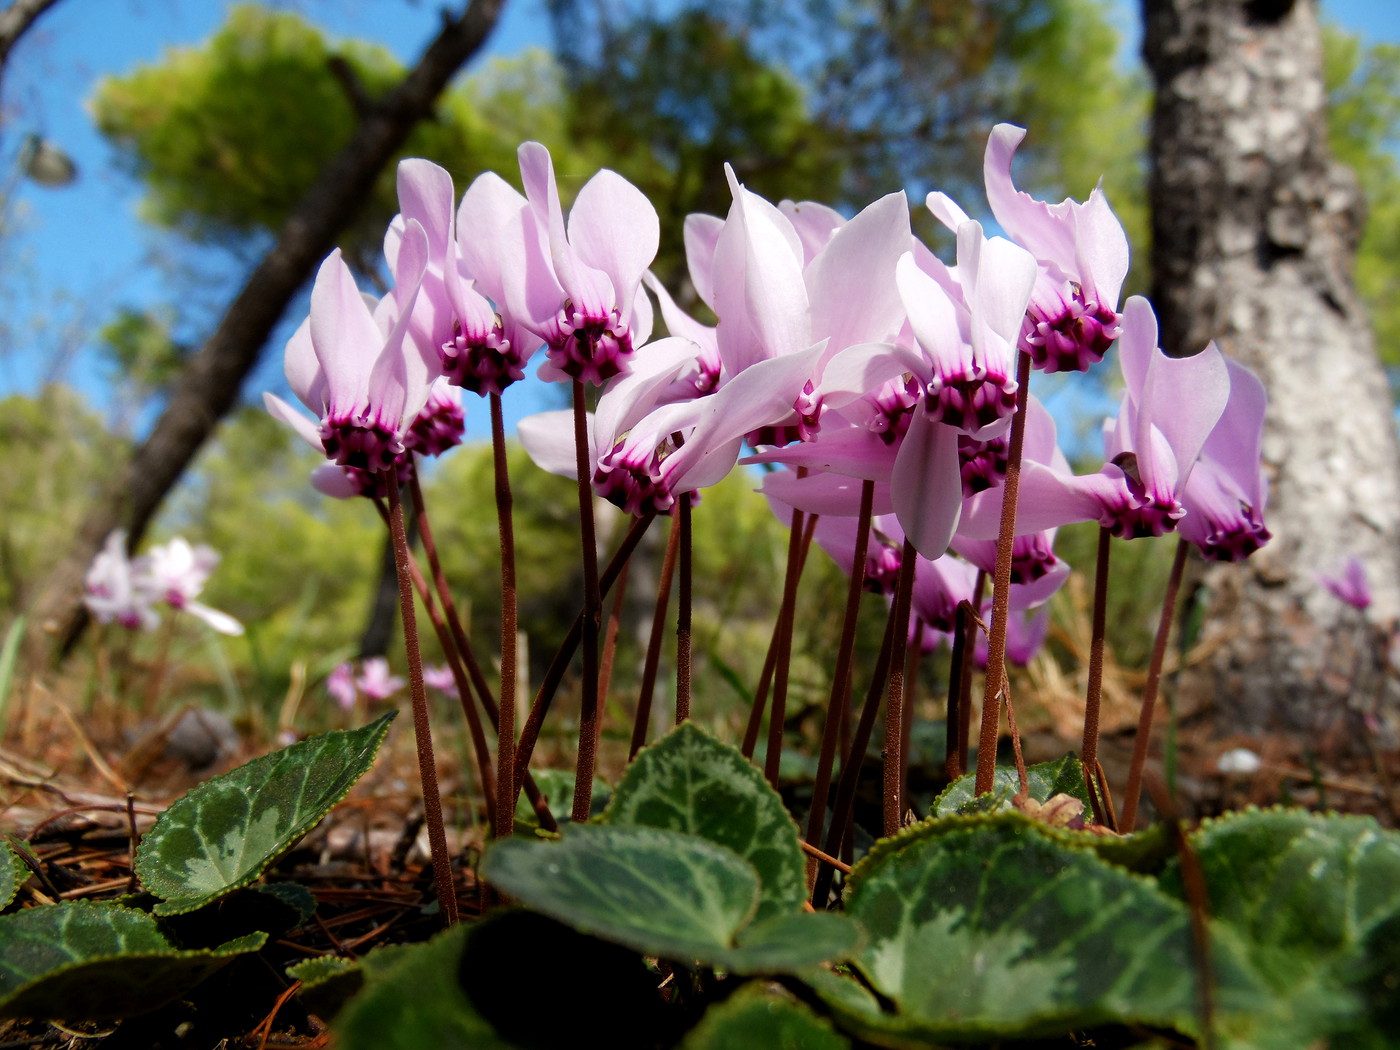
[1001, 587]
[839, 700]
[530, 733]
[782, 657]
[642, 718]
[1089, 753]
[605, 665]
[683, 613]
[505, 714]
[770, 660]
[592, 616]
[1133, 792]
[464, 695]
[447, 638]
[894, 698]
[427, 767]
[457, 646]
[850, 767]
[954, 757]
[906, 729]
[979, 588]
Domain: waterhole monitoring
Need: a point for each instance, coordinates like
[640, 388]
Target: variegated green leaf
[225, 833]
[96, 961]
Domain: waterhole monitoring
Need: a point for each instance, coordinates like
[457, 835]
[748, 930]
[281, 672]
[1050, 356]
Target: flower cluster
[127, 591]
[846, 354]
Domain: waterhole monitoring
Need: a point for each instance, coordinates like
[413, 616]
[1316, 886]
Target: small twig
[266, 1026]
[131, 828]
[825, 858]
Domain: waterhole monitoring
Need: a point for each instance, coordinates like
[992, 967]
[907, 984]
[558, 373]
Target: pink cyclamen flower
[340, 684]
[577, 286]
[1225, 495]
[441, 679]
[176, 572]
[112, 589]
[1082, 253]
[1349, 584]
[375, 681]
[355, 368]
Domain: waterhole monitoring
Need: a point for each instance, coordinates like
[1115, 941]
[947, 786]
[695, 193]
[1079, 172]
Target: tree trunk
[1254, 230]
[209, 384]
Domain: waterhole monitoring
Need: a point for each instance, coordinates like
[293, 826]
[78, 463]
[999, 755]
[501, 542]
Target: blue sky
[72, 255]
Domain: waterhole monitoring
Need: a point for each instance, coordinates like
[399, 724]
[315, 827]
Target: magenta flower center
[982, 463]
[631, 478]
[360, 443]
[482, 361]
[1071, 337]
[586, 346]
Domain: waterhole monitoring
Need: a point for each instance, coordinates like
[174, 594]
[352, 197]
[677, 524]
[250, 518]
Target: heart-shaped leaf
[417, 1001]
[983, 928]
[86, 961]
[1064, 776]
[690, 782]
[662, 893]
[757, 1019]
[224, 833]
[1313, 900]
[13, 874]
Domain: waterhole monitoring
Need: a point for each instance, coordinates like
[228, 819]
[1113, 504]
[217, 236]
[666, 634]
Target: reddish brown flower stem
[505, 714]
[592, 615]
[954, 757]
[427, 765]
[456, 644]
[840, 697]
[894, 697]
[1001, 588]
[464, 693]
[684, 597]
[770, 660]
[850, 767]
[554, 675]
[1089, 753]
[782, 661]
[1149, 693]
[645, 694]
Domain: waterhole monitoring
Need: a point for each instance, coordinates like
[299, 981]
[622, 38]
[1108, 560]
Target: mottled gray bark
[1254, 230]
[209, 384]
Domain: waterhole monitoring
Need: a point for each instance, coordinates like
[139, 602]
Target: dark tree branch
[15, 21]
[209, 385]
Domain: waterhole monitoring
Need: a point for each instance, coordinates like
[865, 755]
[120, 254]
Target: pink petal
[927, 486]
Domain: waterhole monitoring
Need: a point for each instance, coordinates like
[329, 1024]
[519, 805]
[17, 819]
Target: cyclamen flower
[1349, 584]
[576, 286]
[176, 572]
[112, 590]
[355, 368]
[375, 681]
[340, 684]
[1225, 495]
[1082, 252]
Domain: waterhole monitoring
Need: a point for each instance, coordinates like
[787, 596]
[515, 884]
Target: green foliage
[758, 1019]
[981, 928]
[56, 457]
[662, 893]
[86, 961]
[690, 782]
[228, 136]
[12, 874]
[225, 833]
[417, 1002]
[1363, 121]
[1064, 776]
[1313, 902]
